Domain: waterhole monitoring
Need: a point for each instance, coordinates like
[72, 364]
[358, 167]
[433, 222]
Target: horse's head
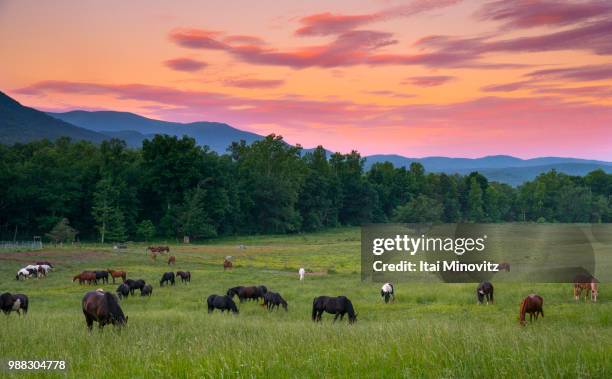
[352, 319]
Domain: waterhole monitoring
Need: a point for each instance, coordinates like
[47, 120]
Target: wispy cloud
[185, 64]
[428, 80]
[254, 83]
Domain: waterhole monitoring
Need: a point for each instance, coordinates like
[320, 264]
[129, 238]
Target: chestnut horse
[504, 266]
[227, 264]
[532, 304]
[117, 274]
[86, 276]
[171, 260]
[158, 249]
[586, 283]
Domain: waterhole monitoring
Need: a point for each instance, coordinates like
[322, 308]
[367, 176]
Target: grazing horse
[44, 263]
[224, 303]
[171, 260]
[273, 299]
[168, 277]
[387, 291]
[249, 293]
[14, 303]
[335, 305]
[23, 273]
[86, 276]
[302, 273]
[147, 290]
[103, 308]
[503, 266]
[227, 264]
[185, 276]
[586, 283]
[123, 290]
[485, 289]
[158, 249]
[117, 274]
[43, 270]
[532, 304]
[102, 275]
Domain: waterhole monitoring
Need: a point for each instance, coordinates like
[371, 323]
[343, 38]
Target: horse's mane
[113, 306]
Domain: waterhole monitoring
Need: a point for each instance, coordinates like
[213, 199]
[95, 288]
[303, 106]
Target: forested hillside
[172, 187]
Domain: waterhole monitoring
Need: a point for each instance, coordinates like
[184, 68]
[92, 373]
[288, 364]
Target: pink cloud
[428, 81]
[534, 13]
[254, 83]
[582, 73]
[507, 87]
[327, 23]
[185, 64]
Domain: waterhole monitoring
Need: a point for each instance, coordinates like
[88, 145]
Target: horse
[484, 289]
[387, 291]
[302, 273]
[43, 270]
[135, 285]
[117, 274]
[168, 277]
[532, 304]
[335, 305]
[103, 308]
[503, 266]
[224, 303]
[171, 260]
[102, 275]
[227, 264]
[146, 290]
[185, 276]
[14, 303]
[123, 290]
[273, 299]
[250, 293]
[158, 249]
[23, 273]
[45, 263]
[586, 283]
[86, 276]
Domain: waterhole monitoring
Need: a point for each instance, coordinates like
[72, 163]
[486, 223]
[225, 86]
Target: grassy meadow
[432, 330]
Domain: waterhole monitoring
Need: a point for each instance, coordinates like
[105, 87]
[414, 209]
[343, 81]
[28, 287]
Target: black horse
[168, 277]
[102, 275]
[274, 299]
[102, 307]
[14, 303]
[135, 285]
[247, 293]
[147, 290]
[123, 290]
[485, 289]
[224, 303]
[185, 276]
[335, 305]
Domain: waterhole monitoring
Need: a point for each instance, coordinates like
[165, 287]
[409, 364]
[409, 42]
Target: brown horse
[86, 276]
[532, 304]
[505, 266]
[117, 274]
[586, 283]
[171, 260]
[227, 264]
[158, 249]
[102, 307]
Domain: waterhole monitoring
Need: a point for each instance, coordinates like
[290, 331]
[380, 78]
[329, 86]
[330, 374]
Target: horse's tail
[522, 310]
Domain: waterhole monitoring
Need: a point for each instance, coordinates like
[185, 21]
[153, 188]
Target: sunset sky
[417, 78]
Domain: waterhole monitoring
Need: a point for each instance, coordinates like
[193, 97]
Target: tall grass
[431, 330]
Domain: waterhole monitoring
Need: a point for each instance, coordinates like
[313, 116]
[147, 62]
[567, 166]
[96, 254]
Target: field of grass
[432, 330]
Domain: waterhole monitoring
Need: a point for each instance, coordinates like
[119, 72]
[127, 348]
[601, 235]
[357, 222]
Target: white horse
[302, 272]
[44, 269]
[387, 291]
[31, 267]
[23, 273]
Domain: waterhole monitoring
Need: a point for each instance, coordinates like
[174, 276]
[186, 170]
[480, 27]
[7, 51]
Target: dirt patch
[55, 257]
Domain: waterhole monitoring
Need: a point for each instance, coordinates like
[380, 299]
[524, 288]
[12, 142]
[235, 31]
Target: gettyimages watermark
[466, 253]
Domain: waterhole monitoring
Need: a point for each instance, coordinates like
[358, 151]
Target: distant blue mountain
[218, 136]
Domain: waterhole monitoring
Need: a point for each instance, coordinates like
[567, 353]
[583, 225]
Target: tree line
[171, 188]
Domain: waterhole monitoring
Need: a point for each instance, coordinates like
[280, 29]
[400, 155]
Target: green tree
[475, 202]
[194, 220]
[108, 216]
[62, 232]
[420, 209]
[145, 230]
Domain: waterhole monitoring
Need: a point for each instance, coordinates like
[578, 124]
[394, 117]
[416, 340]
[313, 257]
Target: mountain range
[21, 124]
